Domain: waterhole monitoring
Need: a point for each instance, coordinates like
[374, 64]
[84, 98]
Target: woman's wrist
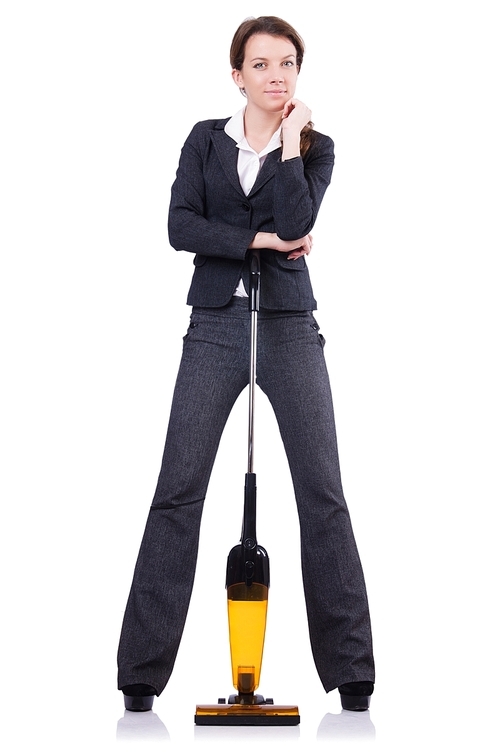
[291, 144]
[263, 240]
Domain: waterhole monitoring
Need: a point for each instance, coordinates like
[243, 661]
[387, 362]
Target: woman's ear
[237, 78]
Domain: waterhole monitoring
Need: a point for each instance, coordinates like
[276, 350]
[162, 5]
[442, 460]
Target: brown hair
[276, 27]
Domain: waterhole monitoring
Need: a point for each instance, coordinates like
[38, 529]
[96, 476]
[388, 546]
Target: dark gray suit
[211, 216]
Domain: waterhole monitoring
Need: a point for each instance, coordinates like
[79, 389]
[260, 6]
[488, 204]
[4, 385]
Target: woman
[254, 181]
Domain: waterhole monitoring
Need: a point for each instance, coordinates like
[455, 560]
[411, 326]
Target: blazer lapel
[267, 171]
[227, 152]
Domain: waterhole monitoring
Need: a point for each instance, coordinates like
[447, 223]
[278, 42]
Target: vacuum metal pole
[254, 308]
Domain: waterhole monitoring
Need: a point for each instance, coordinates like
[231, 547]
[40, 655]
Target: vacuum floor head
[259, 713]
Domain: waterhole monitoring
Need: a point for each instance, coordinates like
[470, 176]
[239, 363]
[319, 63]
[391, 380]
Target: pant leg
[292, 372]
[213, 372]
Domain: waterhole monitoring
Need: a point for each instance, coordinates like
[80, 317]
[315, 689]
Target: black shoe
[138, 697]
[356, 695]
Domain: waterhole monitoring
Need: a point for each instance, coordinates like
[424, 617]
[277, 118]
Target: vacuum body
[247, 613]
[247, 584]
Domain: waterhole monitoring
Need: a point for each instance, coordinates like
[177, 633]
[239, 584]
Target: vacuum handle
[254, 298]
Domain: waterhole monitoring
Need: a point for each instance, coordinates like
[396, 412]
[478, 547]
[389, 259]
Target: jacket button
[246, 207]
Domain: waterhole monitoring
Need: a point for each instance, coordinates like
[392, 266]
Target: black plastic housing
[248, 561]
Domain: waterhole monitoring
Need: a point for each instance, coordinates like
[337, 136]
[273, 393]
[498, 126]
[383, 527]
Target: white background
[97, 99]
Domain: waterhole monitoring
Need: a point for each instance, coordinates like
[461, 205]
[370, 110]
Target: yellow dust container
[247, 613]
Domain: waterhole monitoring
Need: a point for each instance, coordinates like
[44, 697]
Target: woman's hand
[301, 247]
[295, 248]
[295, 116]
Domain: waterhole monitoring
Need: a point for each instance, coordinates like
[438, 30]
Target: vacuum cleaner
[247, 584]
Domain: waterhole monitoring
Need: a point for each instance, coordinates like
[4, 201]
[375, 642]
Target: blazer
[211, 216]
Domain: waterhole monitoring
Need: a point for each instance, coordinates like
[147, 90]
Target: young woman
[253, 181]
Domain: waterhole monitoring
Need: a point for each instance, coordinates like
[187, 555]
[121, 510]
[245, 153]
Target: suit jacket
[211, 216]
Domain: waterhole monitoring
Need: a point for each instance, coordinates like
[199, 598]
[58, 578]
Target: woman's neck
[260, 126]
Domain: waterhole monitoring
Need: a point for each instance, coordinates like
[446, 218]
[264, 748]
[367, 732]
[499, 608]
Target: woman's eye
[288, 63]
[259, 65]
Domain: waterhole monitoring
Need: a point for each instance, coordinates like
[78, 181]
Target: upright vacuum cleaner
[247, 583]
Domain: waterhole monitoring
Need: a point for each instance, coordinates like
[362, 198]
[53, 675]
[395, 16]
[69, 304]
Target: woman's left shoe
[356, 695]
[138, 697]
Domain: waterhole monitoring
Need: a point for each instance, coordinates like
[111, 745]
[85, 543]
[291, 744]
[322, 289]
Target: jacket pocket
[299, 264]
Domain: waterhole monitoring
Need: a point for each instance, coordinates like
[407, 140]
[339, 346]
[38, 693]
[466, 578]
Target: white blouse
[249, 161]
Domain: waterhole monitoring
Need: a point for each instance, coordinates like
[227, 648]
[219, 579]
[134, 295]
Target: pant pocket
[315, 327]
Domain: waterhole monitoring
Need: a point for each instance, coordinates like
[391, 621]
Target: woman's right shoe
[138, 697]
[356, 695]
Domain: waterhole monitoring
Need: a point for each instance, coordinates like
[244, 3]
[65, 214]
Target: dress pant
[214, 370]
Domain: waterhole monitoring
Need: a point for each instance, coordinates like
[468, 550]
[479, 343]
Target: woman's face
[269, 72]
